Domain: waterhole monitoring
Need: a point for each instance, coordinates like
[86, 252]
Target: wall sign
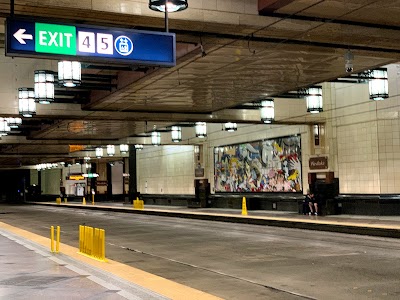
[318, 163]
[89, 43]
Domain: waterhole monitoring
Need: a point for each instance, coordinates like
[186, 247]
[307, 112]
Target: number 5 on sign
[105, 43]
[86, 42]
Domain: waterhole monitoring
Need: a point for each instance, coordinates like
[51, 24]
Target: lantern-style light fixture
[176, 134]
[110, 150]
[14, 122]
[172, 5]
[4, 128]
[378, 85]
[139, 147]
[123, 148]
[26, 99]
[44, 86]
[69, 73]
[99, 152]
[201, 129]
[267, 111]
[314, 100]
[230, 127]
[156, 138]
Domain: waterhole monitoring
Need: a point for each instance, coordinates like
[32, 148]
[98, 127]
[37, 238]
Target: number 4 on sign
[86, 42]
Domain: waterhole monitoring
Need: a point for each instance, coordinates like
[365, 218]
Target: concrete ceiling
[223, 61]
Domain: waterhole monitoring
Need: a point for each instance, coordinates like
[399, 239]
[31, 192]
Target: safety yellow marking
[152, 282]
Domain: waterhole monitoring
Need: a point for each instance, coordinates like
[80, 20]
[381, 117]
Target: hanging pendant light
[4, 128]
[110, 150]
[172, 5]
[69, 73]
[123, 148]
[201, 129]
[267, 111]
[26, 99]
[176, 134]
[138, 147]
[230, 127]
[14, 122]
[156, 138]
[44, 87]
[314, 100]
[378, 85]
[99, 152]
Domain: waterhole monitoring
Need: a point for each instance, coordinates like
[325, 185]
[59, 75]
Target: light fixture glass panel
[110, 150]
[123, 148]
[69, 73]
[99, 152]
[44, 87]
[172, 5]
[4, 128]
[176, 134]
[230, 127]
[267, 110]
[26, 99]
[378, 85]
[14, 122]
[314, 100]
[155, 138]
[201, 129]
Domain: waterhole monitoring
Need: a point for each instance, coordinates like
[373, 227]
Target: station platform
[28, 269]
[383, 226]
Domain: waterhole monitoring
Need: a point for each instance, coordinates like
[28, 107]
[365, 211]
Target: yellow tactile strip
[149, 281]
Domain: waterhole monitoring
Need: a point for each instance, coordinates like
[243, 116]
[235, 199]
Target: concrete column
[133, 192]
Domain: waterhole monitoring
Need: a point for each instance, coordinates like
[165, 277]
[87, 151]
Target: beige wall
[51, 181]
[166, 170]
[367, 137]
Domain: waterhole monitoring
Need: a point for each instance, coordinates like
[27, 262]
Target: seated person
[306, 203]
[313, 204]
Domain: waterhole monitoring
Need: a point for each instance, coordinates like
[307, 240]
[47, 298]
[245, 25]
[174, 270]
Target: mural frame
[272, 165]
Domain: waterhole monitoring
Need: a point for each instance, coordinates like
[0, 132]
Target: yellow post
[84, 201]
[81, 230]
[103, 244]
[96, 239]
[65, 200]
[58, 239]
[244, 207]
[52, 238]
[58, 200]
[92, 199]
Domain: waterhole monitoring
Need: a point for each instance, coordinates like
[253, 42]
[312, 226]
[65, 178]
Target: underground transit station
[200, 149]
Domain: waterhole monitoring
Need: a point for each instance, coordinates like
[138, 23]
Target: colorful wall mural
[262, 166]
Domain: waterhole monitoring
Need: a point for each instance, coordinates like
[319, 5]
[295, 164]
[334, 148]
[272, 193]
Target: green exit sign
[56, 39]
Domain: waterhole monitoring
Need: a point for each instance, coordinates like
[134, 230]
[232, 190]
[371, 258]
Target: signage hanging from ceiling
[89, 43]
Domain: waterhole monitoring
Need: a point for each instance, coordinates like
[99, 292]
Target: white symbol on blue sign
[123, 45]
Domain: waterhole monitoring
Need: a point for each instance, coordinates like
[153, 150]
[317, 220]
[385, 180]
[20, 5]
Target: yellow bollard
[96, 246]
[103, 244]
[92, 199]
[58, 240]
[52, 238]
[83, 201]
[80, 238]
[65, 200]
[58, 200]
[244, 207]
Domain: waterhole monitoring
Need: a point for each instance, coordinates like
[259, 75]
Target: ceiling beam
[269, 6]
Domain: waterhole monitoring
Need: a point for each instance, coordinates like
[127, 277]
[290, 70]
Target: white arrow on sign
[21, 37]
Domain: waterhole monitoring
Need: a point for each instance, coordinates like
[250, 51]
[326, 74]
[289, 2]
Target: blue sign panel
[89, 43]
